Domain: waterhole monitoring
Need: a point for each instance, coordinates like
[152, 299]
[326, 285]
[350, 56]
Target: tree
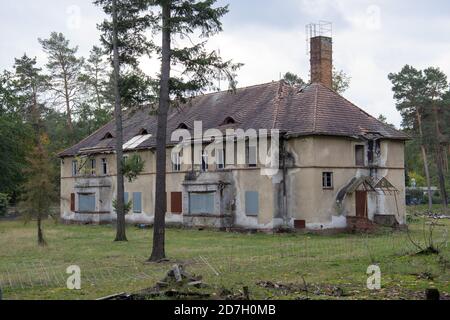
[293, 80]
[39, 190]
[95, 77]
[341, 82]
[124, 37]
[181, 18]
[383, 119]
[65, 69]
[436, 86]
[408, 88]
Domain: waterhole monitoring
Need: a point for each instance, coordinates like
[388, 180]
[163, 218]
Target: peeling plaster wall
[306, 199]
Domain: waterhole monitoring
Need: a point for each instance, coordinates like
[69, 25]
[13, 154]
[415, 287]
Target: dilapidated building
[338, 166]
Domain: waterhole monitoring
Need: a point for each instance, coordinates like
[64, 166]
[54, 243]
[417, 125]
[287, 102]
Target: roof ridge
[241, 88]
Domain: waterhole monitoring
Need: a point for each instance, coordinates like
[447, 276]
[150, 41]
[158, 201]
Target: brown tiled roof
[314, 110]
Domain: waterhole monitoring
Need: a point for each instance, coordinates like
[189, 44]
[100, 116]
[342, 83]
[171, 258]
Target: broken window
[359, 155]
[104, 166]
[327, 180]
[251, 203]
[137, 202]
[200, 203]
[74, 168]
[86, 202]
[72, 202]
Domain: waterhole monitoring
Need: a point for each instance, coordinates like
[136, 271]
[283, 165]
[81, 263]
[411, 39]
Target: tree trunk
[425, 162]
[158, 251]
[120, 234]
[441, 176]
[41, 240]
[439, 158]
[69, 112]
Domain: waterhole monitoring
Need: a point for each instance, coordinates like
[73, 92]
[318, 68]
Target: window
[104, 166]
[251, 156]
[176, 162]
[359, 155]
[251, 203]
[107, 136]
[201, 202]
[204, 161]
[176, 202]
[93, 166]
[86, 202]
[125, 198]
[220, 159]
[74, 168]
[72, 202]
[327, 180]
[137, 202]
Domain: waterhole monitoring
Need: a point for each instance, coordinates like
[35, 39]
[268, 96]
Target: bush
[4, 201]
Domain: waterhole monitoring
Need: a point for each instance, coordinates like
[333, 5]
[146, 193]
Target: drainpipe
[283, 155]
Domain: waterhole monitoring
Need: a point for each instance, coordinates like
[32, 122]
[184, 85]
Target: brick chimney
[322, 60]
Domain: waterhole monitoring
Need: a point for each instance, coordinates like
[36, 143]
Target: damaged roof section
[314, 110]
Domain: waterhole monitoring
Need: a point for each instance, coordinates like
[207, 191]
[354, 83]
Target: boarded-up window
[86, 202]
[201, 202]
[72, 202]
[137, 202]
[176, 202]
[251, 203]
[359, 155]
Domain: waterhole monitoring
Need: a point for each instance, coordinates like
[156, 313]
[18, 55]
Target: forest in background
[74, 97]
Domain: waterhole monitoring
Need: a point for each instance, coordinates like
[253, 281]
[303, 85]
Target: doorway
[361, 204]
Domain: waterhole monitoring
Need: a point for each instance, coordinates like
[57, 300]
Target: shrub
[4, 201]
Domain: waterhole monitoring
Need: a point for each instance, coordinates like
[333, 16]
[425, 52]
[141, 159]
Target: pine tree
[123, 36]
[198, 70]
[39, 190]
[409, 90]
[65, 69]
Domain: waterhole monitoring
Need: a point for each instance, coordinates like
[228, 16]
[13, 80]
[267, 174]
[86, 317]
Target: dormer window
[108, 135]
[228, 121]
[183, 126]
[143, 132]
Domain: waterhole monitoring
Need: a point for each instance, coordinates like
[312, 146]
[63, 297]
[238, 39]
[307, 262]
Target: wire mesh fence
[243, 260]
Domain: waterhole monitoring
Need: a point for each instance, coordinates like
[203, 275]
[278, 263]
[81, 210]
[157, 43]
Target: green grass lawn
[225, 260]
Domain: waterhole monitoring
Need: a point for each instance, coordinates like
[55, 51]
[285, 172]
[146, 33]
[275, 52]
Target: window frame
[176, 162]
[93, 168]
[74, 168]
[104, 166]
[325, 185]
[204, 167]
[362, 149]
[248, 163]
[81, 195]
[247, 195]
[134, 202]
[220, 160]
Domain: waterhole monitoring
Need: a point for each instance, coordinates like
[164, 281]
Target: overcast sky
[371, 38]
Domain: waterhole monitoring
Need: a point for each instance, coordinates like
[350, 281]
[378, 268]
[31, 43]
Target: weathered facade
[337, 164]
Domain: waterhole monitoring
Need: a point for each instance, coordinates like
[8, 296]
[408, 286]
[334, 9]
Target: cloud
[371, 38]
